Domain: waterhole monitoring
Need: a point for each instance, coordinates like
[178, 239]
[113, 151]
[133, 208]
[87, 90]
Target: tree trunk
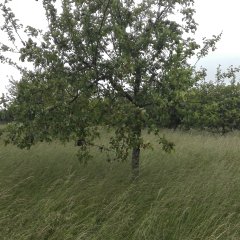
[136, 152]
[135, 162]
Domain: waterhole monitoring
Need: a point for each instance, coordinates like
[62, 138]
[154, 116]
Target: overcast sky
[213, 17]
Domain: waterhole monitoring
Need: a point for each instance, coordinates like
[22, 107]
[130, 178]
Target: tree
[5, 115]
[116, 63]
[214, 106]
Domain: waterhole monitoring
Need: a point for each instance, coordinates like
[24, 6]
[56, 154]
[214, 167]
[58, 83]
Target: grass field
[190, 194]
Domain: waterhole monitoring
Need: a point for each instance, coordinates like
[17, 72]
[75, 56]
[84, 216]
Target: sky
[213, 17]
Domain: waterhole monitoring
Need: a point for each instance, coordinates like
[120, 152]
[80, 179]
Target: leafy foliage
[215, 105]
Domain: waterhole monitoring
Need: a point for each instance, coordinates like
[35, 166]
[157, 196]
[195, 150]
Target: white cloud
[214, 17]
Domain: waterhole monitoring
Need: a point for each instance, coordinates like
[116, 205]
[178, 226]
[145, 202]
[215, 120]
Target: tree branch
[120, 90]
[99, 32]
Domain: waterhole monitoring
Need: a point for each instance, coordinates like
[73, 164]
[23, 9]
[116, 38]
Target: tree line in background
[210, 106]
[5, 111]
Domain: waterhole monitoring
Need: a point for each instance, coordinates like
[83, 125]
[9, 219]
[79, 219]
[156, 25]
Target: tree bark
[136, 151]
[137, 128]
[135, 162]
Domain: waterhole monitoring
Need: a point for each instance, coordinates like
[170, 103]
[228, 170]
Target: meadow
[191, 194]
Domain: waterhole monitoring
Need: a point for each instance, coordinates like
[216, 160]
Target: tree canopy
[114, 63]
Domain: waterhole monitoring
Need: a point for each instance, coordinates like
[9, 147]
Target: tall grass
[190, 194]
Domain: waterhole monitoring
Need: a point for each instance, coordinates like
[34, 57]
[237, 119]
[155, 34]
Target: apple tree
[115, 63]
